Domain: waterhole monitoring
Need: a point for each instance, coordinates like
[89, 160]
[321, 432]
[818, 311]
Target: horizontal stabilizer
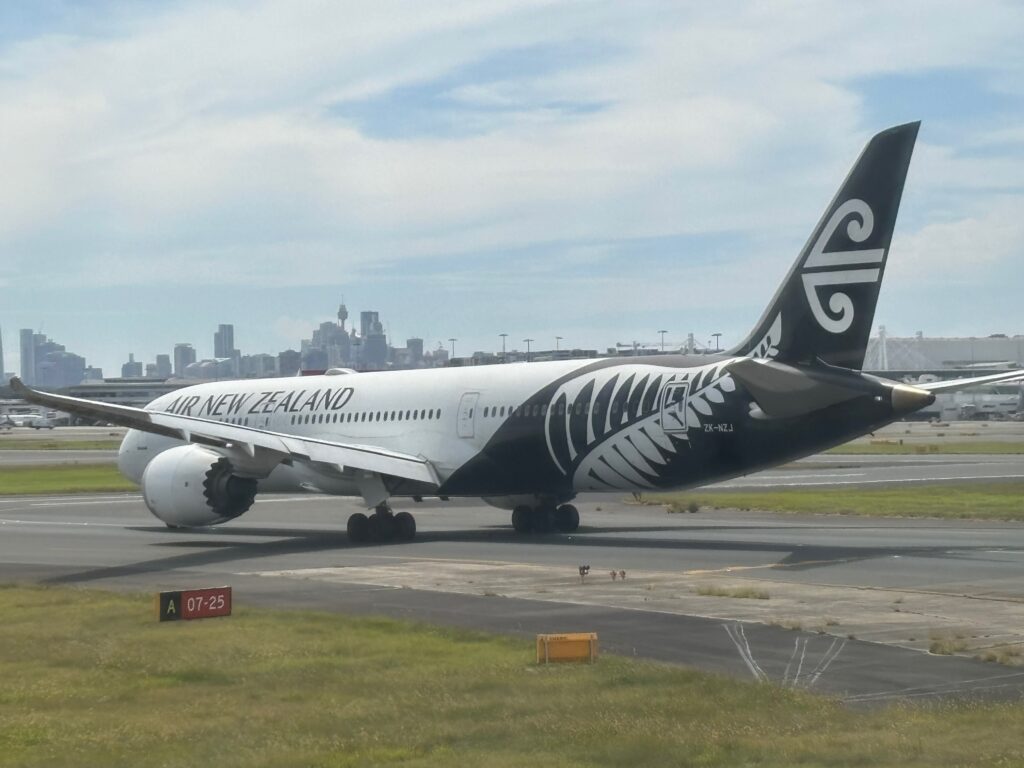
[955, 385]
[783, 391]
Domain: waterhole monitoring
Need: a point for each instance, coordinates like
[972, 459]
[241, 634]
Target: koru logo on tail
[832, 268]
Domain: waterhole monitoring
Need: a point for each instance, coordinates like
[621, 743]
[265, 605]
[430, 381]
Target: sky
[597, 171]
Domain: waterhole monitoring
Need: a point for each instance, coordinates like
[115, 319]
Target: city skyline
[540, 171]
[183, 353]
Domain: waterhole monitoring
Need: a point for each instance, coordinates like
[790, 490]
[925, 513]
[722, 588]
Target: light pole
[453, 347]
[662, 339]
[527, 349]
[557, 340]
[503, 337]
[717, 337]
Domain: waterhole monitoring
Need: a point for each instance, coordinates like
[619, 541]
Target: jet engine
[192, 486]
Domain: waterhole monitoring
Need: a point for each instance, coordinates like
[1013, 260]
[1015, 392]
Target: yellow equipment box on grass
[578, 646]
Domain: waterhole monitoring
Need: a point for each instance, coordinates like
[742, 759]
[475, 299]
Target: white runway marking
[966, 685]
[739, 639]
[769, 484]
[61, 524]
[67, 499]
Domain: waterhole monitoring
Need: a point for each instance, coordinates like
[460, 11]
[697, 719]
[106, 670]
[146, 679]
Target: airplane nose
[907, 399]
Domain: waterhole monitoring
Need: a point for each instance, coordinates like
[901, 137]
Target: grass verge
[743, 593]
[972, 501]
[894, 447]
[947, 643]
[91, 679]
[63, 478]
[43, 444]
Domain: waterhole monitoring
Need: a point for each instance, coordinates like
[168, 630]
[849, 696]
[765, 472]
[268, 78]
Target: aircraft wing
[272, 447]
[955, 385]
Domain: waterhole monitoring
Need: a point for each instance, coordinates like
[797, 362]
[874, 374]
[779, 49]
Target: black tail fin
[826, 305]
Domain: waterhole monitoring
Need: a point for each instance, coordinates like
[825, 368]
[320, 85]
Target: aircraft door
[673, 407]
[467, 414]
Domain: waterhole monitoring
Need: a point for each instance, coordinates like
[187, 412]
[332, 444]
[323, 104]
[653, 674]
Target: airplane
[529, 437]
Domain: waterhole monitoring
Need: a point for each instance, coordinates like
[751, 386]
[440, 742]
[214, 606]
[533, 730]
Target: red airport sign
[190, 604]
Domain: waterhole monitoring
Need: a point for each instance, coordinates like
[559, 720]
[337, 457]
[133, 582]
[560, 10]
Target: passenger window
[471, 413]
[503, 410]
[431, 413]
[423, 413]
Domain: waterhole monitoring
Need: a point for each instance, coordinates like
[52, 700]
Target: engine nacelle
[191, 486]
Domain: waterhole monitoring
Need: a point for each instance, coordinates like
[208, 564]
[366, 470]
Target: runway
[868, 596]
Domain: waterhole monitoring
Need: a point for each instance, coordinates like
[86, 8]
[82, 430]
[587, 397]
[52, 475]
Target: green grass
[745, 593]
[893, 447]
[946, 643]
[53, 444]
[974, 501]
[90, 678]
[63, 478]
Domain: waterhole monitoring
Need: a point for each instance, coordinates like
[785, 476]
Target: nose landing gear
[383, 525]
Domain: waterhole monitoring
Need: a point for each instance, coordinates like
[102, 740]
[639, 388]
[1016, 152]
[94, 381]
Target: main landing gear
[545, 518]
[382, 525]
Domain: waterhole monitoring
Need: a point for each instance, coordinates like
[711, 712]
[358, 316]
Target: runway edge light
[188, 604]
[575, 646]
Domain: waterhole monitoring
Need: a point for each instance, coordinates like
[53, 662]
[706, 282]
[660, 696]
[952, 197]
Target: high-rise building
[289, 362]
[60, 369]
[163, 367]
[224, 341]
[259, 366]
[28, 356]
[415, 347]
[184, 356]
[132, 369]
[369, 324]
[45, 363]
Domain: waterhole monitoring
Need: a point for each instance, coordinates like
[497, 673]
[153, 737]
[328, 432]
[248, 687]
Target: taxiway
[852, 603]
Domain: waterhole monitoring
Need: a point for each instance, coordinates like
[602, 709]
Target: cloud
[964, 248]
[312, 143]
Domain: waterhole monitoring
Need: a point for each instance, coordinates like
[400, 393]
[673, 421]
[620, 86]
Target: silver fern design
[618, 428]
[768, 348]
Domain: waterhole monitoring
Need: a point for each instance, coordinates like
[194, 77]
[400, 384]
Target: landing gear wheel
[567, 518]
[405, 526]
[382, 525]
[358, 528]
[543, 519]
[522, 519]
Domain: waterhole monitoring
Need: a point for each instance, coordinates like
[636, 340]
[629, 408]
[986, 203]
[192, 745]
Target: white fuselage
[445, 415]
